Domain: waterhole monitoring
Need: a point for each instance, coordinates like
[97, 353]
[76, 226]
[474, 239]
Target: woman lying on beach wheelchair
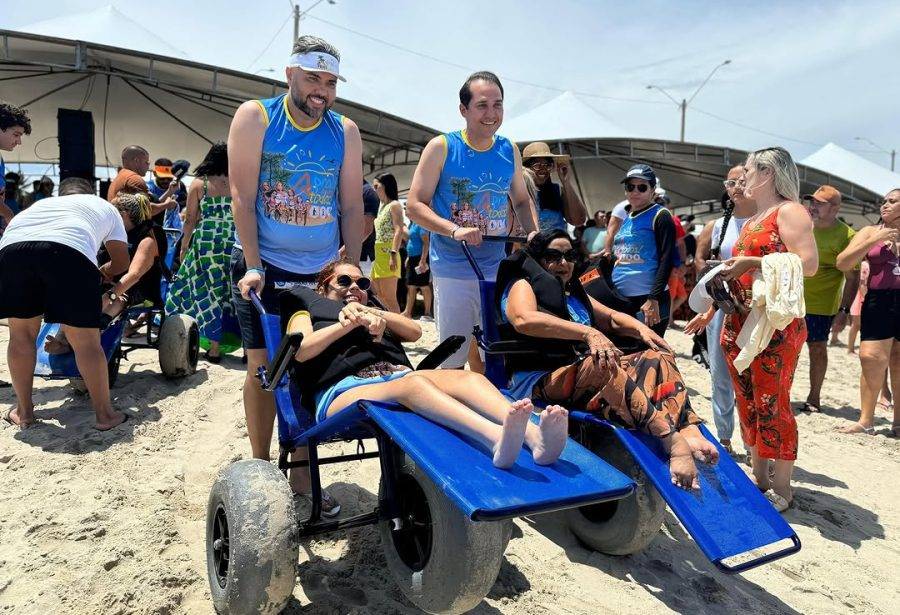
[147, 245]
[577, 362]
[352, 351]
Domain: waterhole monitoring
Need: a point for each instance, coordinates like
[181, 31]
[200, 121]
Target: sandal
[854, 428]
[330, 506]
[779, 503]
[7, 416]
[215, 359]
[895, 431]
[808, 407]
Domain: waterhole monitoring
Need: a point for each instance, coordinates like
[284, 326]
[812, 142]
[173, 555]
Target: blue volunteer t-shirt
[297, 202]
[472, 191]
[416, 235]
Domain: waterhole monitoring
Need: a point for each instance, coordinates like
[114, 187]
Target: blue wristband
[258, 270]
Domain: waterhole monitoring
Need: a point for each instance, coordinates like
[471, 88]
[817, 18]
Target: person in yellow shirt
[829, 293]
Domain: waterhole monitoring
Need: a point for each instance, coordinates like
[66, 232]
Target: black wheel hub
[414, 538]
[220, 546]
[193, 345]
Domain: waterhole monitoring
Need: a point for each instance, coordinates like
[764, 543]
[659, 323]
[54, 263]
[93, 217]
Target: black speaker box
[76, 144]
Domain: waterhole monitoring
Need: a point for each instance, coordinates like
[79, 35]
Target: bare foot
[114, 419]
[856, 428]
[553, 435]
[57, 344]
[20, 419]
[506, 450]
[684, 472]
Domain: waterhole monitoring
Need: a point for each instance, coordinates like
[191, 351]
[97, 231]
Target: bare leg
[91, 363]
[259, 409]
[387, 293]
[410, 301]
[895, 386]
[853, 334]
[475, 362]
[781, 482]
[818, 366]
[874, 357]
[214, 349]
[21, 356]
[428, 299]
[760, 467]
[546, 440]
[420, 395]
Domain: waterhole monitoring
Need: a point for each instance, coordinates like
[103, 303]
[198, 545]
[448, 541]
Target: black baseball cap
[641, 171]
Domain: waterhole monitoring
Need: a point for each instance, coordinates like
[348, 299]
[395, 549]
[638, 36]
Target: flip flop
[894, 432]
[215, 359]
[124, 420]
[808, 407]
[7, 416]
[4, 384]
[779, 503]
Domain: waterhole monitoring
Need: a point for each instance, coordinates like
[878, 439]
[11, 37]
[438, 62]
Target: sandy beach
[114, 523]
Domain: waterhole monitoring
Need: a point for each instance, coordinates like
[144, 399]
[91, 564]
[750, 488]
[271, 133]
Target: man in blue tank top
[461, 191]
[296, 174]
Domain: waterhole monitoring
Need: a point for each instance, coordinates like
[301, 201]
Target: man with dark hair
[460, 192]
[370, 212]
[14, 123]
[295, 168]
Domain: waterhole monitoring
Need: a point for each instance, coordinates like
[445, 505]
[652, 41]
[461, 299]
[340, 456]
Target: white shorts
[457, 309]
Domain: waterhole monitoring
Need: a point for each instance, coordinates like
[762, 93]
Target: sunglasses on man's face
[639, 187]
[540, 164]
[552, 255]
[346, 281]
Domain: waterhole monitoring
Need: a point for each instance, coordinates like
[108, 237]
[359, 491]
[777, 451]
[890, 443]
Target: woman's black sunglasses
[345, 281]
[552, 255]
[639, 187]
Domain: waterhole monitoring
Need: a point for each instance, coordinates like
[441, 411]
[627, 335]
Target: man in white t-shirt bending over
[48, 269]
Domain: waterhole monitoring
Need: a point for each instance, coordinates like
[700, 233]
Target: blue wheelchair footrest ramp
[465, 473]
[63, 365]
[734, 524]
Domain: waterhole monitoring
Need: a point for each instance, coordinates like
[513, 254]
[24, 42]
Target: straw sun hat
[541, 150]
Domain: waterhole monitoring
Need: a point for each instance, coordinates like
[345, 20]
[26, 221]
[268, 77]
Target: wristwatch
[113, 296]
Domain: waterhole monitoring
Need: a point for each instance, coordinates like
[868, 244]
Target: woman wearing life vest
[578, 360]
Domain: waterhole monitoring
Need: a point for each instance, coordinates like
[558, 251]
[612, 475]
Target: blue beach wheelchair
[732, 523]
[443, 508]
[176, 337]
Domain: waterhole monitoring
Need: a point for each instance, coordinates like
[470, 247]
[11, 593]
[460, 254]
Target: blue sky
[802, 73]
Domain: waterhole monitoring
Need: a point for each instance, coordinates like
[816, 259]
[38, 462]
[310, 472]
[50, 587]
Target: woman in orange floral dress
[762, 391]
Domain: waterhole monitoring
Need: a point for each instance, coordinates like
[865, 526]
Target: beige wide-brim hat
[541, 150]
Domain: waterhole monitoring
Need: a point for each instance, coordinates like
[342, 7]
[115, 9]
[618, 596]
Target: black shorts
[44, 278]
[413, 278]
[276, 282]
[880, 316]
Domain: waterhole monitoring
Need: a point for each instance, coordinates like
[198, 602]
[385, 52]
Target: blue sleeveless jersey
[636, 256]
[297, 201]
[472, 191]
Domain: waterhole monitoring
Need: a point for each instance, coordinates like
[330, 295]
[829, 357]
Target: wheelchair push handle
[257, 302]
[490, 239]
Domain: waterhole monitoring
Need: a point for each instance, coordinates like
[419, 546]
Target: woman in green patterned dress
[202, 288]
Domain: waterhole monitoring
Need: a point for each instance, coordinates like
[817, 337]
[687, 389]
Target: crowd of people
[343, 261]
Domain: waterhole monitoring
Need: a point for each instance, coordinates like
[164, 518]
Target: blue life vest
[472, 191]
[297, 201]
[637, 258]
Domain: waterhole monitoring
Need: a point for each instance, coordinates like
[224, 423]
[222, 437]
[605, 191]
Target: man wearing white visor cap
[296, 174]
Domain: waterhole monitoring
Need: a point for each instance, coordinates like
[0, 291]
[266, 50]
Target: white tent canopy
[171, 106]
[837, 161]
[569, 118]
